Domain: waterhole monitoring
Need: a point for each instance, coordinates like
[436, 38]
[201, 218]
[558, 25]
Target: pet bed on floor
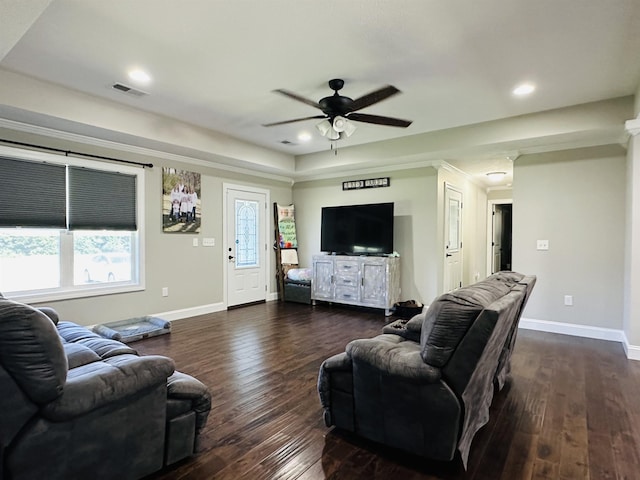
[133, 329]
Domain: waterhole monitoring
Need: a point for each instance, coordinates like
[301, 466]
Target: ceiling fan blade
[297, 97]
[292, 121]
[373, 97]
[379, 120]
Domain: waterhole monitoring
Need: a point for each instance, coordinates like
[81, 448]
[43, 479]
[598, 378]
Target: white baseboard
[191, 311]
[599, 333]
[201, 310]
[632, 351]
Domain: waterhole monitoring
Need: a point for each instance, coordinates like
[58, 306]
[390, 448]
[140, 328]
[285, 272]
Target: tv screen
[357, 229]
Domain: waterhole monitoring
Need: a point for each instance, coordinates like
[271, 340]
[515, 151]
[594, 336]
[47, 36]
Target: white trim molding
[573, 329]
[150, 152]
[633, 126]
[632, 351]
[190, 312]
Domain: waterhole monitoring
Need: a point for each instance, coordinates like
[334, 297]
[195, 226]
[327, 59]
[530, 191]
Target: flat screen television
[357, 229]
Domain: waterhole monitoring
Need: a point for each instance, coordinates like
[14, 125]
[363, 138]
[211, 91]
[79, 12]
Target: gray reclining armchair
[75, 405]
[427, 385]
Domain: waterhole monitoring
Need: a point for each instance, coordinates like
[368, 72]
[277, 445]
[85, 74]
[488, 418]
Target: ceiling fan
[338, 110]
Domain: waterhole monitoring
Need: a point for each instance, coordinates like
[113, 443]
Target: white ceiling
[215, 63]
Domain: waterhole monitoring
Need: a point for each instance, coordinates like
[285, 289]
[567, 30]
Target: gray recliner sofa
[75, 405]
[425, 386]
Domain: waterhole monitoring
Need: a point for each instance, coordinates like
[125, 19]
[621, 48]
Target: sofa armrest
[336, 363]
[395, 356]
[181, 386]
[98, 384]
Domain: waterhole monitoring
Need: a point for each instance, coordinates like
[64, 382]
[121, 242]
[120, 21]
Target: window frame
[70, 291]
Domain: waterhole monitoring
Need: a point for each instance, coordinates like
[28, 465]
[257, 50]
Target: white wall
[575, 199]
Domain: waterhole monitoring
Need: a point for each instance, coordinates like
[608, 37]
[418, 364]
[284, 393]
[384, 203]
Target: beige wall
[418, 223]
[194, 275]
[575, 199]
[631, 312]
[501, 194]
[414, 195]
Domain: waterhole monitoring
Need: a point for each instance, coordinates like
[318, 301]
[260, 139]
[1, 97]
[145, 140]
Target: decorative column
[631, 307]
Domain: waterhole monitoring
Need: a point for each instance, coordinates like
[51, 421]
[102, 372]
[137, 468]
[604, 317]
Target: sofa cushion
[105, 383]
[450, 316]
[78, 355]
[31, 351]
[392, 355]
[505, 277]
[415, 324]
[104, 347]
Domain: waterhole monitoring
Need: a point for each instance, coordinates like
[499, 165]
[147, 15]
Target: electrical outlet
[165, 291]
[195, 242]
[543, 245]
[568, 300]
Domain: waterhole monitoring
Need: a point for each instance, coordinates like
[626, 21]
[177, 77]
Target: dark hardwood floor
[571, 409]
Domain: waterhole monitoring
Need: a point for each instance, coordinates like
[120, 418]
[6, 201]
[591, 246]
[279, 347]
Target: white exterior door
[245, 247]
[452, 239]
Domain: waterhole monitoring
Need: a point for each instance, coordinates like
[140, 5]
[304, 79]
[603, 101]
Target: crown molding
[123, 147]
[367, 170]
[633, 126]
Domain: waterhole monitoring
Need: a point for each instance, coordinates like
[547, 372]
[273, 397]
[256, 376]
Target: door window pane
[454, 224]
[246, 212]
[29, 259]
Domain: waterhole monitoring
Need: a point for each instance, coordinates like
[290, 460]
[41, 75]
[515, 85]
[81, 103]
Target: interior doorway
[452, 238]
[500, 241]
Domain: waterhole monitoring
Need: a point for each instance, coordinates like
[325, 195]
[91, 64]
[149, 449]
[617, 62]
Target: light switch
[543, 245]
[195, 242]
[208, 242]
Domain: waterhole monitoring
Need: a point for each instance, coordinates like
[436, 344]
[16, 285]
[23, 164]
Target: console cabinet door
[322, 282]
[374, 284]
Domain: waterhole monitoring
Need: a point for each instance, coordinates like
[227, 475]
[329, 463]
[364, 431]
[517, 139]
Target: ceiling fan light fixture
[343, 126]
[332, 134]
[324, 127]
[339, 123]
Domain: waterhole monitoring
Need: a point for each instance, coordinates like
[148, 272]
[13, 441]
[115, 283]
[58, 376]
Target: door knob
[449, 255]
[231, 257]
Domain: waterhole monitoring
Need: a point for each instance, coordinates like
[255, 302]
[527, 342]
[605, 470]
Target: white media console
[366, 281]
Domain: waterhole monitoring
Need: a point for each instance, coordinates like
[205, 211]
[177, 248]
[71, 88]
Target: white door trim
[225, 230]
[490, 205]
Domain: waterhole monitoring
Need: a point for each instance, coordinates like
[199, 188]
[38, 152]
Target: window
[246, 233]
[68, 227]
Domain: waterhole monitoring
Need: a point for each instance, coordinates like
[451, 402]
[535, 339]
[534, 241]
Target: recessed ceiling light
[304, 136]
[496, 176]
[524, 89]
[140, 76]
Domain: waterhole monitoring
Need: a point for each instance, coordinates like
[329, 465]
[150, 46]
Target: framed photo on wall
[181, 201]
